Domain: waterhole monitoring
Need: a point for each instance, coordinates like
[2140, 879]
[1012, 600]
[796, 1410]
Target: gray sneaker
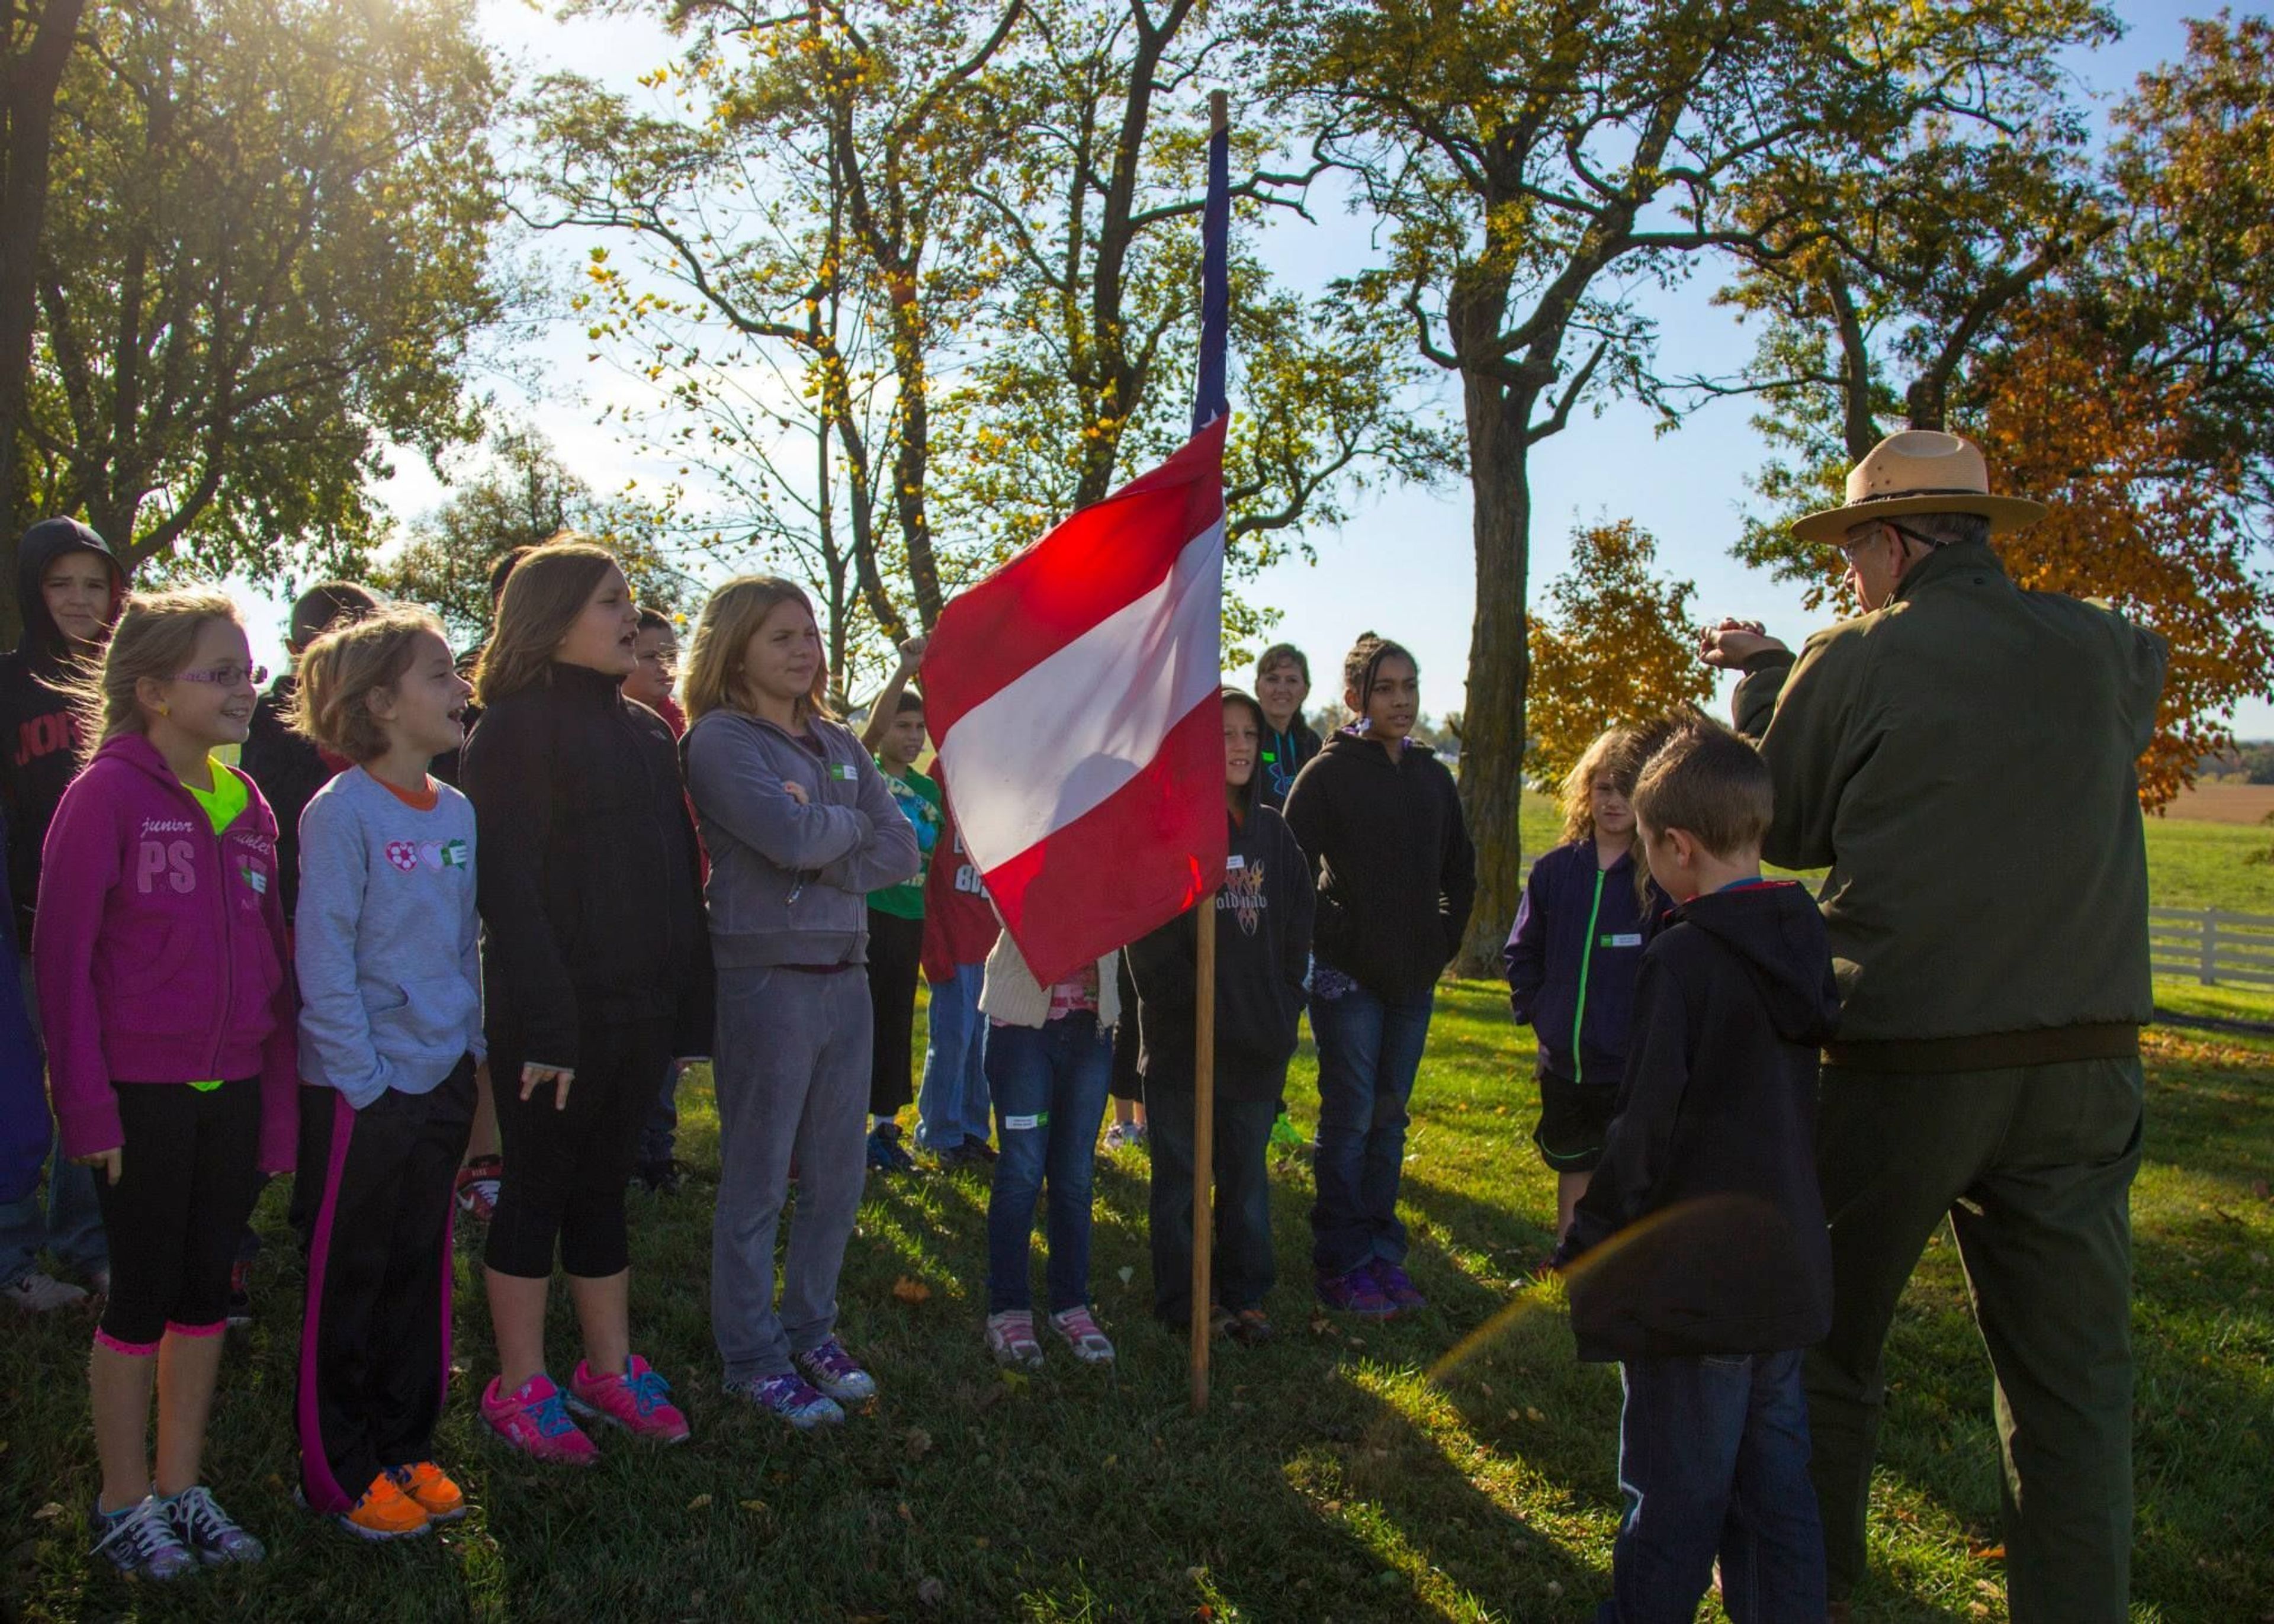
[211, 1533]
[140, 1541]
[38, 1294]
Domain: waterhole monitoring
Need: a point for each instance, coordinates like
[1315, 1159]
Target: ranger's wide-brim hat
[1920, 470]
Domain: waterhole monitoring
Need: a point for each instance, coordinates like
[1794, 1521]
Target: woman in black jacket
[1379, 817]
[596, 969]
[1263, 947]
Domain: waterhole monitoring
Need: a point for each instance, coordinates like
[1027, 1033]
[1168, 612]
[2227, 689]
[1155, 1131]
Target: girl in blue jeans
[1378, 816]
[1050, 1060]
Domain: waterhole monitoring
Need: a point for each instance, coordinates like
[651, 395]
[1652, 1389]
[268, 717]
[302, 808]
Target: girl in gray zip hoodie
[799, 828]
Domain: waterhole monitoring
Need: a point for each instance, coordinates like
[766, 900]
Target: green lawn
[1455, 1465]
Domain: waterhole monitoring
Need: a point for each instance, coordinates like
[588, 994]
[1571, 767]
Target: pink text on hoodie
[160, 951]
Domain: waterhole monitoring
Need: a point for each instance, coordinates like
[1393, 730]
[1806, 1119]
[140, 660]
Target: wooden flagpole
[1203, 1143]
[1204, 1058]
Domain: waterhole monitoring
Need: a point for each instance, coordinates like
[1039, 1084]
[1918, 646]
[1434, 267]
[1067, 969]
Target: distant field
[2224, 803]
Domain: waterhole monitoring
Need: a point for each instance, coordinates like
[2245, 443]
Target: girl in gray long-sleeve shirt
[799, 828]
[390, 1018]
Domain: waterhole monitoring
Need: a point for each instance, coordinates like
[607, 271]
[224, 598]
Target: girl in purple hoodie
[161, 955]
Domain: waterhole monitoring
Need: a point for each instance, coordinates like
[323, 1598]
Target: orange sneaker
[385, 1512]
[430, 1486]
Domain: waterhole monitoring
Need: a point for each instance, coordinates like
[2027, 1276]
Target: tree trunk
[1500, 663]
[29, 81]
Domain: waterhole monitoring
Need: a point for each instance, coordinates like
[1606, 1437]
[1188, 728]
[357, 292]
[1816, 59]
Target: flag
[1073, 692]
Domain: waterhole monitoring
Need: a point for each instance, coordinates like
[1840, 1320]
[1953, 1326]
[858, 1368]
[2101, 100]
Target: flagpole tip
[1219, 112]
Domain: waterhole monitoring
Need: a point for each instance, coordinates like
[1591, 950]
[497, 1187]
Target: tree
[41, 37]
[2139, 517]
[520, 496]
[1092, 190]
[1617, 646]
[269, 259]
[797, 197]
[1533, 163]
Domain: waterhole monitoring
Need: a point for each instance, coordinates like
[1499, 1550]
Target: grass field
[1455, 1465]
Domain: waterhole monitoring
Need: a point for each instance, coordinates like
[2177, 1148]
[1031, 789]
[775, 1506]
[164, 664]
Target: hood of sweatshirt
[42, 544]
[1774, 926]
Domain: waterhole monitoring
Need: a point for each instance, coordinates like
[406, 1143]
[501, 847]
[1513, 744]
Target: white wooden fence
[2212, 946]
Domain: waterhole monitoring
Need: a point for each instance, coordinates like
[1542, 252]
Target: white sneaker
[36, 1293]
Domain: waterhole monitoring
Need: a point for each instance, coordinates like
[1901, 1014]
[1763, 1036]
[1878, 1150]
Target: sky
[1402, 564]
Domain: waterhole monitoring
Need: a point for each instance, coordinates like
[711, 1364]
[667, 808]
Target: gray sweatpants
[791, 1071]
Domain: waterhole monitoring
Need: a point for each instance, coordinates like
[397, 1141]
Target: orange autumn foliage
[1615, 645]
[2138, 519]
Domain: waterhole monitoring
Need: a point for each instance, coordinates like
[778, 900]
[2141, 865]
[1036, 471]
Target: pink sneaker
[638, 1400]
[535, 1420]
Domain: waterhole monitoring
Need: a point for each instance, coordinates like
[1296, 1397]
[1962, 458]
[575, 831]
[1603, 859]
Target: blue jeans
[952, 1105]
[1369, 1050]
[1714, 1462]
[1050, 1086]
[660, 1133]
[64, 1217]
[67, 1219]
[1241, 1268]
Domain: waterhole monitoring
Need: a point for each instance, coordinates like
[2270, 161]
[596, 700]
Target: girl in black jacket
[595, 968]
[1263, 947]
[1379, 817]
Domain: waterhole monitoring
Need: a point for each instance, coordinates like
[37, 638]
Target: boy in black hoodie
[1701, 1260]
[69, 590]
[1262, 916]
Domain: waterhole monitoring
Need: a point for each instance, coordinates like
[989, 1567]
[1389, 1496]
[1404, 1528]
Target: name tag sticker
[843, 770]
[1234, 862]
[1625, 938]
[1269, 756]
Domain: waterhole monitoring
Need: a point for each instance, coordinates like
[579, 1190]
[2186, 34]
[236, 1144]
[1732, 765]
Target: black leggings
[188, 1178]
[566, 1169]
[895, 960]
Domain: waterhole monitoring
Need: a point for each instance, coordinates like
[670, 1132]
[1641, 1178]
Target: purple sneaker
[790, 1398]
[1355, 1293]
[1396, 1286]
[833, 1372]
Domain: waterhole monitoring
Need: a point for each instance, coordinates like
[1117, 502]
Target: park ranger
[1961, 757]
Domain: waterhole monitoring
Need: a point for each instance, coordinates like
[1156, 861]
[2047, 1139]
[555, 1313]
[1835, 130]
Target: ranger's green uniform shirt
[1963, 760]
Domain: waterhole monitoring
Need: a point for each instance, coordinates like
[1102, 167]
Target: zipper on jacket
[228, 940]
[1586, 958]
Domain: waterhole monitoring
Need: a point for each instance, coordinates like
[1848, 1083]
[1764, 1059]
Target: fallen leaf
[911, 1290]
[931, 1593]
[918, 1443]
[1196, 1574]
[754, 1505]
[1126, 1272]
[980, 1540]
[1485, 1387]
[1532, 1413]
[699, 1502]
[48, 1513]
[1988, 1553]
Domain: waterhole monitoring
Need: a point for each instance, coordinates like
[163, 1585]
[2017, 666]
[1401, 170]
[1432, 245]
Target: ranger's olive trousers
[2033, 1166]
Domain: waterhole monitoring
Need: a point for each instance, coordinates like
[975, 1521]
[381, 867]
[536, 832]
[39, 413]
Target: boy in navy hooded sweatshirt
[1701, 1260]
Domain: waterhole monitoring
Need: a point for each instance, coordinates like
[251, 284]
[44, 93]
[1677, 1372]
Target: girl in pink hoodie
[161, 957]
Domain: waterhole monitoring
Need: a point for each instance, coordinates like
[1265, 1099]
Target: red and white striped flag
[1073, 696]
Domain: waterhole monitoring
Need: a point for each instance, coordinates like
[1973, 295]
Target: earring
[165, 709]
